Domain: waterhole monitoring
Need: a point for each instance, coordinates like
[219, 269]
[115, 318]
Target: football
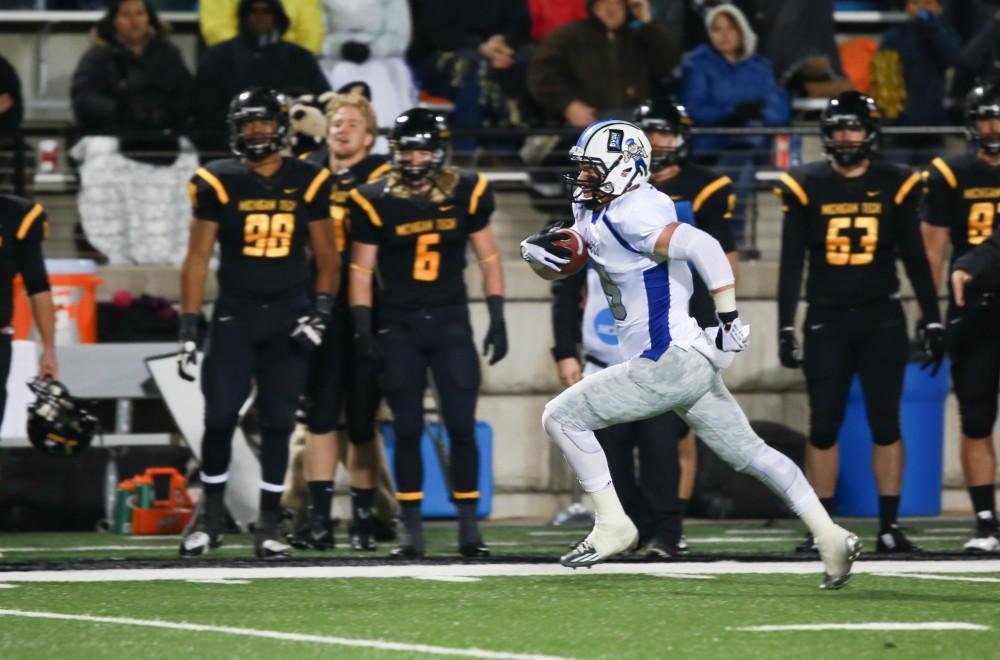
[577, 260]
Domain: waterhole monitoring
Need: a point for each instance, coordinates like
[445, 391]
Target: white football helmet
[619, 152]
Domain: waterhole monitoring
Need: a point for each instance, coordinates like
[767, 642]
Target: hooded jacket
[245, 61]
[583, 61]
[712, 87]
[303, 24]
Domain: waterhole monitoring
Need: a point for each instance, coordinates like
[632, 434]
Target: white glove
[187, 360]
[733, 337]
[536, 254]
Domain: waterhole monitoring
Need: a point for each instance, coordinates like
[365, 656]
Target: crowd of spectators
[514, 63]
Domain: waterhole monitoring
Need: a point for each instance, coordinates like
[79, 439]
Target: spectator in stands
[219, 23]
[366, 40]
[603, 64]
[979, 29]
[11, 103]
[800, 36]
[255, 58]
[132, 93]
[923, 49]
[726, 83]
[472, 53]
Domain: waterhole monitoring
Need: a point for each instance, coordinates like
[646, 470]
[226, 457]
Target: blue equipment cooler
[922, 419]
[437, 500]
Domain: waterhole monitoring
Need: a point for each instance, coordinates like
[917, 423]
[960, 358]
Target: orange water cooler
[74, 294]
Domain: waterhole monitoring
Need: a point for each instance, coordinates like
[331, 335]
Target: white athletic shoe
[604, 541]
[987, 535]
[982, 544]
[838, 548]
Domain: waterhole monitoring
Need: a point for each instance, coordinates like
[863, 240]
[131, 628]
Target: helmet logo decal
[634, 151]
[615, 136]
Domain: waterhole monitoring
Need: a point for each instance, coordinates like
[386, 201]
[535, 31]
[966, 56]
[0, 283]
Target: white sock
[607, 506]
[583, 453]
[817, 520]
[785, 479]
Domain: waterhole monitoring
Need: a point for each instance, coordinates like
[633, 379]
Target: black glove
[311, 326]
[788, 349]
[187, 350]
[364, 338]
[746, 111]
[931, 338]
[496, 336]
[355, 51]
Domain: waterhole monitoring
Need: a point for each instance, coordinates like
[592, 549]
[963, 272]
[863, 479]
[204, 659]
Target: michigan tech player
[642, 255]
[22, 230]
[339, 382]
[414, 226]
[852, 215]
[962, 204]
[263, 209]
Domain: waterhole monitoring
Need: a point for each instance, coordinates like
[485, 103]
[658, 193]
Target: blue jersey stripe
[657, 281]
[618, 237]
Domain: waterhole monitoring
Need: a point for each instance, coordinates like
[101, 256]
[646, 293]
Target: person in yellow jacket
[218, 22]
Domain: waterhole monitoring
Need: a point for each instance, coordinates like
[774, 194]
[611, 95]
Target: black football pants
[974, 347]
[439, 340]
[5, 353]
[249, 342]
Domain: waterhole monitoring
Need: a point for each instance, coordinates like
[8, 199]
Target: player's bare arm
[484, 245]
[43, 311]
[323, 242]
[363, 257]
[935, 244]
[195, 268]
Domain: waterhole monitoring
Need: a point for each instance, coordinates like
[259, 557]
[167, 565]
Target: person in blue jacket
[726, 83]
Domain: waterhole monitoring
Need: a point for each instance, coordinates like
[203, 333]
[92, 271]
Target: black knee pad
[823, 437]
[321, 419]
[885, 432]
[358, 438]
[977, 419]
[217, 424]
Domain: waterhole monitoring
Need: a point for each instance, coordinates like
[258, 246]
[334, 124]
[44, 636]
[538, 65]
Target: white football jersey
[600, 339]
[648, 294]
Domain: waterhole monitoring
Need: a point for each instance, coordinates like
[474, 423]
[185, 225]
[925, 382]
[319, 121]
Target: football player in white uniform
[642, 255]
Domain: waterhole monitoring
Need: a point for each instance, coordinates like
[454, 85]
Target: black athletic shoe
[478, 550]
[658, 550]
[267, 546]
[363, 536]
[892, 540]
[316, 535]
[385, 530]
[205, 530]
[406, 552]
[808, 544]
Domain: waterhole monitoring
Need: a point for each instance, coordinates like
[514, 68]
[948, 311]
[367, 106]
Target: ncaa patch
[615, 137]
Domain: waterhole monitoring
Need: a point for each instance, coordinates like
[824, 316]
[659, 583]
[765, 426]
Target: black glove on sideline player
[931, 338]
[496, 336]
[788, 349]
[187, 351]
[309, 332]
[364, 339]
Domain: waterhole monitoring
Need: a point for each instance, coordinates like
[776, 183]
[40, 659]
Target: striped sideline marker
[928, 625]
[284, 636]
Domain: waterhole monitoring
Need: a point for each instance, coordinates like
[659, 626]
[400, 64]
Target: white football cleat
[838, 548]
[604, 541]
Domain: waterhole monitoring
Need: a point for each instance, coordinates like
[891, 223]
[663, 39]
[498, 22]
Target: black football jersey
[263, 223]
[963, 194]
[703, 198]
[23, 227]
[853, 229]
[422, 244]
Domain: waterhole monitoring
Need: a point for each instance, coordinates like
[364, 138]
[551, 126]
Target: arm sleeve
[911, 251]
[30, 262]
[360, 211]
[481, 204]
[567, 315]
[318, 193]
[205, 202]
[793, 255]
[704, 253]
[938, 203]
[714, 214]
[983, 263]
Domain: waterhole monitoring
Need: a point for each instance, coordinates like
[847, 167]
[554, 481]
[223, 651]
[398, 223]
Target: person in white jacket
[365, 40]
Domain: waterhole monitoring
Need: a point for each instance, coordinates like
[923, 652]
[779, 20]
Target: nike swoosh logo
[290, 191]
[223, 319]
[873, 193]
[446, 208]
[816, 327]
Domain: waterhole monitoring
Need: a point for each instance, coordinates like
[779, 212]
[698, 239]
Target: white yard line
[448, 578]
[812, 627]
[284, 636]
[950, 578]
[218, 581]
[493, 570]
[98, 548]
